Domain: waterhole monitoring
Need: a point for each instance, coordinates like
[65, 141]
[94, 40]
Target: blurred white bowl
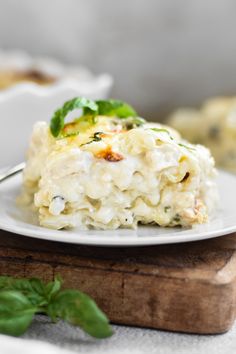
[23, 104]
[77, 77]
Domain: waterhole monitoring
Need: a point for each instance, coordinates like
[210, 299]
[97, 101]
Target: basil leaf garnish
[58, 119]
[90, 110]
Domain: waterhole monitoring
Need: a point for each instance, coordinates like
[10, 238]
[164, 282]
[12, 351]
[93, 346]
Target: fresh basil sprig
[21, 299]
[90, 109]
[58, 119]
[115, 108]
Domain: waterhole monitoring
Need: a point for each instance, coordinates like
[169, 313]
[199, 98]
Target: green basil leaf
[16, 313]
[36, 294]
[36, 285]
[58, 119]
[53, 287]
[33, 288]
[115, 108]
[79, 309]
[21, 284]
[4, 281]
[9, 283]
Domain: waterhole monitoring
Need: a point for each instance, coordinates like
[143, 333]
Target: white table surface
[125, 340]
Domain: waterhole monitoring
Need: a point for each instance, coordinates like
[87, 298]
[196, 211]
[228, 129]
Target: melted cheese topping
[110, 176]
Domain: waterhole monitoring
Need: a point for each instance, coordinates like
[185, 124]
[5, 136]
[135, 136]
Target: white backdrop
[162, 53]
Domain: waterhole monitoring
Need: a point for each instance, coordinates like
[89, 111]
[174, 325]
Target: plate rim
[127, 242]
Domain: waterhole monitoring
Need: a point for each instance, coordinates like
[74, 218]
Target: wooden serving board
[187, 287]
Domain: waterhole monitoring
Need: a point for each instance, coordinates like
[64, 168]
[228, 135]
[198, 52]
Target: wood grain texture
[187, 287]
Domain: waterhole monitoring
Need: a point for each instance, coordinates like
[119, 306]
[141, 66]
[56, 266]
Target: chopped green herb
[132, 122]
[166, 208]
[95, 137]
[68, 135]
[162, 130]
[186, 147]
[176, 218]
[187, 174]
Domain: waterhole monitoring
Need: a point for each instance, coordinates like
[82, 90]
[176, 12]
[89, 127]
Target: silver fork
[12, 171]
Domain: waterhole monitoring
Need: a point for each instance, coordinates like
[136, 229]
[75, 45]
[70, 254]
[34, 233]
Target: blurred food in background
[213, 125]
[11, 77]
[18, 67]
[154, 49]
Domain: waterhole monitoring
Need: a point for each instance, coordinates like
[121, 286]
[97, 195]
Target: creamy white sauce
[73, 187]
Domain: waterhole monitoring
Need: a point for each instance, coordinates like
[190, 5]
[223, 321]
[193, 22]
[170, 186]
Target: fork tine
[12, 171]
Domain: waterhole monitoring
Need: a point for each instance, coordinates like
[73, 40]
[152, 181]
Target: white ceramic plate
[19, 221]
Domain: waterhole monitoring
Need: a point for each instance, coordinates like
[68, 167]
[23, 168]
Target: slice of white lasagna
[109, 169]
